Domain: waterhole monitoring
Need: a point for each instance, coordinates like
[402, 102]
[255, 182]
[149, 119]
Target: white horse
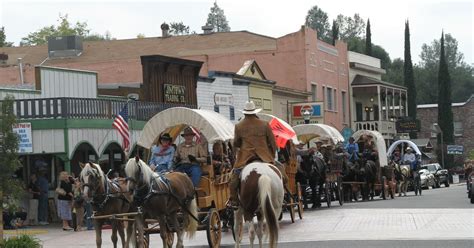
[261, 193]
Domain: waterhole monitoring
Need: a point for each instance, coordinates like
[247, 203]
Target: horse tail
[265, 191]
[192, 223]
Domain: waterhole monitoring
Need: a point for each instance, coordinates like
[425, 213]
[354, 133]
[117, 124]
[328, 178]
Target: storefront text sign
[223, 99]
[25, 142]
[174, 93]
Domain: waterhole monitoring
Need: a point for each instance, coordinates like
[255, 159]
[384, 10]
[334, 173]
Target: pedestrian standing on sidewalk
[34, 191]
[43, 198]
[65, 200]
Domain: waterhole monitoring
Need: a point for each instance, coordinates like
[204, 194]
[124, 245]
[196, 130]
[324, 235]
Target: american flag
[121, 124]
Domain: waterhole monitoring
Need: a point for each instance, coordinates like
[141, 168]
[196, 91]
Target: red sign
[282, 134]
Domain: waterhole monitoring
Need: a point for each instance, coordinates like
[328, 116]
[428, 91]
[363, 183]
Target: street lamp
[306, 116]
[437, 129]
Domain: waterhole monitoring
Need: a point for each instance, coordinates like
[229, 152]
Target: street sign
[407, 126]
[455, 149]
[314, 108]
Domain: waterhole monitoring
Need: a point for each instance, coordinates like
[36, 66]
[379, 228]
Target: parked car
[426, 179]
[441, 175]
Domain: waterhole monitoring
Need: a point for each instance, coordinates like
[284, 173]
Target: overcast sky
[127, 18]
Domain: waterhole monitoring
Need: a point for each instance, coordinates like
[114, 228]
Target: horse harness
[98, 203]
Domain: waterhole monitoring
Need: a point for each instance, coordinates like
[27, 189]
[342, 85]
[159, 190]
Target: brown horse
[261, 194]
[107, 197]
[161, 197]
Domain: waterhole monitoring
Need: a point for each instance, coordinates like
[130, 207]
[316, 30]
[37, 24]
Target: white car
[426, 179]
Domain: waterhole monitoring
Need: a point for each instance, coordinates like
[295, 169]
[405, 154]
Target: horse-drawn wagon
[404, 173]
[212, 192]
[374, 175]
[286, 141]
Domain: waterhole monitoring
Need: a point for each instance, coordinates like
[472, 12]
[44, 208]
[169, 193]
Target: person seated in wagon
[162, 154]
[370, 152]
[189, 155]
[411, 159]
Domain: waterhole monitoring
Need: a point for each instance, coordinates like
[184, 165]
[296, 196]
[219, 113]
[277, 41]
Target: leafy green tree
[64, 28]
[317, 19]
[426, 72]
[141, 36]
[358, 45]
[335, 32]
[9, 186]
[409, 79]
[178, 28]
[395, 72]
[3, 39]
[350, 27]
[368, 39]
[445, 113]
[217, 19]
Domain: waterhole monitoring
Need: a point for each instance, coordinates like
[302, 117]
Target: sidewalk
[333, 224]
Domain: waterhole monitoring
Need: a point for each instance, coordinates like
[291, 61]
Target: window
[216, 108]
[232, 113]
[314, 88]
[458, 129]
[343, 100]
[329, 99]
[335, 100]
[433, 133]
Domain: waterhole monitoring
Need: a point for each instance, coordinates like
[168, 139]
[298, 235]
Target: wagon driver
[255, 141]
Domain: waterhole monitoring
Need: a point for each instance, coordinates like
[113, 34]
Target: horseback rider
[255, 141]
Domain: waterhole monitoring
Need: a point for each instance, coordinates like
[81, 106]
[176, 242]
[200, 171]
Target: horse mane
[132, 167]
[89, 167]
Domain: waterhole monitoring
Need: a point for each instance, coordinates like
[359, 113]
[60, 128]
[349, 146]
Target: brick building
[463, 117]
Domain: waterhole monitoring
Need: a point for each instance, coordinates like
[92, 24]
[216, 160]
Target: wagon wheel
[384, 188]
[327, 191]
[214, 228]
[339, 191]
[300, 200]
[291, 208]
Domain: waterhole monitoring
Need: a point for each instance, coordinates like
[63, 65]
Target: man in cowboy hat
[410, 158]
[162, 154]
[189, 155]
[255, 141]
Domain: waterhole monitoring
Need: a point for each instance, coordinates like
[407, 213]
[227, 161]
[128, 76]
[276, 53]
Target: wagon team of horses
[188, 209]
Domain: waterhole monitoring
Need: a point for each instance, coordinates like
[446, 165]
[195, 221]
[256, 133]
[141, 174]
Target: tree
[409, 79]
[335, 32]
[9, 186]
[445, 113]
[217, 19]
[350, 27]
[141, 36]
[317, 19]
[178, 28]
[3, 39]
[426, 72]
[368, 39]
[64, 28]
[395, 72]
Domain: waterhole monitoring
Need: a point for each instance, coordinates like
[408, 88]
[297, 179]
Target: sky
[125, 19]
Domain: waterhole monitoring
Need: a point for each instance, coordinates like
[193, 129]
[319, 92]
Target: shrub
[23, 241]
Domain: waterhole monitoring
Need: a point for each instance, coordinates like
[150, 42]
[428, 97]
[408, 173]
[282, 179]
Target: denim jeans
[43, 208]
[192, 170]
[161, 168]
[88, 209]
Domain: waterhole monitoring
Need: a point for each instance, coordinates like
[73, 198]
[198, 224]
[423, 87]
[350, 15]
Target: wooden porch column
[400, 102]
[406, 103]
[386, 104]
[393, 102]
[379, 102]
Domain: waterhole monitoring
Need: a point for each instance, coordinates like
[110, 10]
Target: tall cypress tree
[368, 39]
[409, 79]
[335, 32]
[445, 113]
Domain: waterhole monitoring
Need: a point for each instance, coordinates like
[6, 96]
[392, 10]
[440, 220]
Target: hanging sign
[25, 142]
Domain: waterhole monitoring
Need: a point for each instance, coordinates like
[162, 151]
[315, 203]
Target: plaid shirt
[184, 150]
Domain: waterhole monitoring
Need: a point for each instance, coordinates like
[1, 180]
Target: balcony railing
[84, 108]
[386, 128]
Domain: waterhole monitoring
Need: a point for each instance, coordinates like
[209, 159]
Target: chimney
[20, 66]
[207, 29]
[164, 30]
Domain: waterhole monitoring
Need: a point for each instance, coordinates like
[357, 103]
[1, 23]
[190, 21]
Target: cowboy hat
[188, 131]
[409, 149]
[250, 108]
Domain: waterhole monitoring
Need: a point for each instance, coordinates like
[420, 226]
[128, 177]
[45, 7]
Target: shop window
[458, 129]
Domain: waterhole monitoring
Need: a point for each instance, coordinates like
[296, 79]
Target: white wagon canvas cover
[379, 143]
[307, 132]
[213, 126]
[408, 142]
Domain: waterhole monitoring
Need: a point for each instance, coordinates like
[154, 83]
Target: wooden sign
[174, 93]
[406, 126]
